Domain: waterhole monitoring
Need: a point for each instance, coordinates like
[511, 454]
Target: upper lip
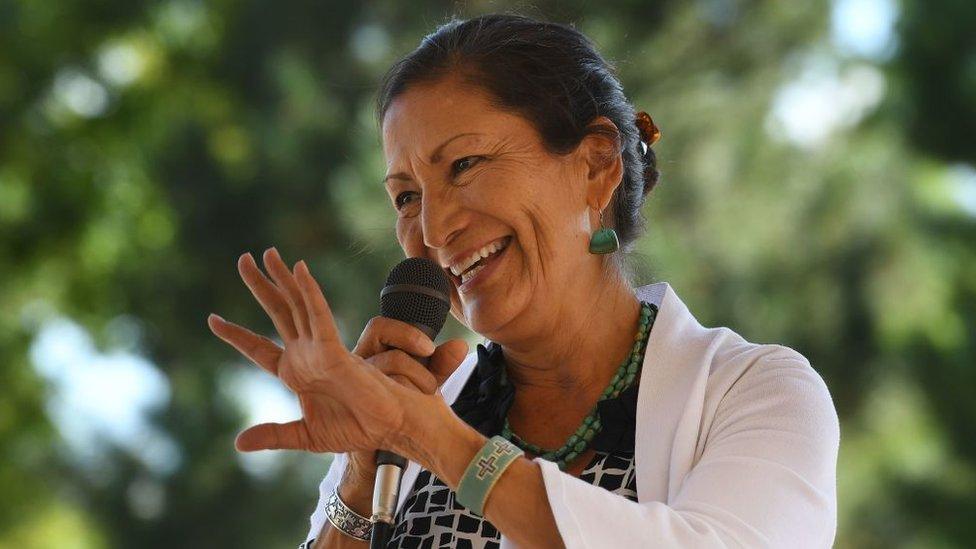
[461, 256]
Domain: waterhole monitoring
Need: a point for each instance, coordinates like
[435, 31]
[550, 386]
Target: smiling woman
[598, 414]
[456, 192]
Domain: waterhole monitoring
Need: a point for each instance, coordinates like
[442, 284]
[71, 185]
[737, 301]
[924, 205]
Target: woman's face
[461, 175]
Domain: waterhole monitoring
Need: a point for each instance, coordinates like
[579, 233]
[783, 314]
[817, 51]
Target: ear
[603, 168]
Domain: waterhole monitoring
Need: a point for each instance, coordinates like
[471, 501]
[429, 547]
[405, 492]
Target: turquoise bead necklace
[578, 442]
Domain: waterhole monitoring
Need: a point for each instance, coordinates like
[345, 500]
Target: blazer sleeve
[766, 476]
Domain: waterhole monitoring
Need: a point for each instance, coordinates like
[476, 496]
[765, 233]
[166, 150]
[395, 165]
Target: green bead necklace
[579, 441]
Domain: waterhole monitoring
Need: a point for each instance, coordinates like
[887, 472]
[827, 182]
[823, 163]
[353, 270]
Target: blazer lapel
[672, 381]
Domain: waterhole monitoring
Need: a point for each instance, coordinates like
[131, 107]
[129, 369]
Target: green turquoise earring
[604, 240]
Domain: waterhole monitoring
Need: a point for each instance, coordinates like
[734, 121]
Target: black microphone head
[417, 291]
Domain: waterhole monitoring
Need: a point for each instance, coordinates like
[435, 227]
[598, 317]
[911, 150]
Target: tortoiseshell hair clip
[649, 132]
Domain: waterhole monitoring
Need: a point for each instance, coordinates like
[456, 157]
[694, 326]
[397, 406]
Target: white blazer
[736, 446]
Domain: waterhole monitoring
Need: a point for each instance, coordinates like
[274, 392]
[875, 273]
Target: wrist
[358, 471]
[356, 490]
[439, 441]
[464, 443]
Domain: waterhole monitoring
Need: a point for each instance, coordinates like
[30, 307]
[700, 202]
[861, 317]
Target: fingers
[403, 368]
[259, 349]
[282, 276]
[275, 436]
[382, 334]
[446, 359]
[271, 298]
[321, 322]
[405, 381]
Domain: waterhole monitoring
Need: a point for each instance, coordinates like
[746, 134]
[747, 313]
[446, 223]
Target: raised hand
[347, 404]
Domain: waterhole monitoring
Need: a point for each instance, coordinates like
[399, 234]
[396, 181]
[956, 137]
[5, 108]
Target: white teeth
[485, 251]
[466, 276]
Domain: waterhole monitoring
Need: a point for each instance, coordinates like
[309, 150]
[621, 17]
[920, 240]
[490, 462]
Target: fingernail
[218, 317]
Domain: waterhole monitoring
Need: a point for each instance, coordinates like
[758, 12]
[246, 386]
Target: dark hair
[553, 76]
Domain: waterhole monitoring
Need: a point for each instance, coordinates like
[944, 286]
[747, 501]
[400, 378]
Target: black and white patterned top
[432, 517]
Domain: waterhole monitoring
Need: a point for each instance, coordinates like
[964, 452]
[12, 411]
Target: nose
[439, 219]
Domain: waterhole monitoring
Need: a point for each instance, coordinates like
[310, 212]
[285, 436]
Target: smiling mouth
[477, 266]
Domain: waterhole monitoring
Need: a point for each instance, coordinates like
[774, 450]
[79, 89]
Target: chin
[489, 321]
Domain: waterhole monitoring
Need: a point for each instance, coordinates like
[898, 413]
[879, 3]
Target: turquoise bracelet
[484, 471]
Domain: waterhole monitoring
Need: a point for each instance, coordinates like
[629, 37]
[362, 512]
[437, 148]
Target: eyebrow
[435, 157]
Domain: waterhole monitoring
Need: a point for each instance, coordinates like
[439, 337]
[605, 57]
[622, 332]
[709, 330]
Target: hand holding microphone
[348, 404]
[418, 292]
[392, 346]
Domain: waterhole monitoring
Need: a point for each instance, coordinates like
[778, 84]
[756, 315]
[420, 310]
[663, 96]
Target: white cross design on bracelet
[486, 465]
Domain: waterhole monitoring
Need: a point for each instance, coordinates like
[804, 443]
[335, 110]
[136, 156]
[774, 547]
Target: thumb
[446, 358]
[275, 436]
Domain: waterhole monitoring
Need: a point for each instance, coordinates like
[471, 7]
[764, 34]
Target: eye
[400, 200]
[462, 164]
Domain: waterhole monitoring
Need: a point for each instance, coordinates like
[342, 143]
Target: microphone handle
[380, 535]
[384, 457]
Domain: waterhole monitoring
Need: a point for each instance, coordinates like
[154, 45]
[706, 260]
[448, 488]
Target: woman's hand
[348, 403]
[390, 345]
[328, 380]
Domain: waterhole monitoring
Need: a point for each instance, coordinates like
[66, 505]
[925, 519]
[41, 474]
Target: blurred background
[818, 191]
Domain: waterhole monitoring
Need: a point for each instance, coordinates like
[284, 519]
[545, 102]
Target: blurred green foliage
[145, 145]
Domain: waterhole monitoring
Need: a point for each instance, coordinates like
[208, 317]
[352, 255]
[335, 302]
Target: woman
[597, 415]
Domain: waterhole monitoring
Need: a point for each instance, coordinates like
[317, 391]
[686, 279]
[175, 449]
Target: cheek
[546, 198]
[409, 236]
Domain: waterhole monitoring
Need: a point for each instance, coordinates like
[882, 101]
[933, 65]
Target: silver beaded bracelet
[345, 519]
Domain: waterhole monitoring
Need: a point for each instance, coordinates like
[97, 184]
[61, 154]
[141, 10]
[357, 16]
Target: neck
[565, 359]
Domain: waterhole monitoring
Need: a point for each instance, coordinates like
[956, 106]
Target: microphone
[418, 292]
